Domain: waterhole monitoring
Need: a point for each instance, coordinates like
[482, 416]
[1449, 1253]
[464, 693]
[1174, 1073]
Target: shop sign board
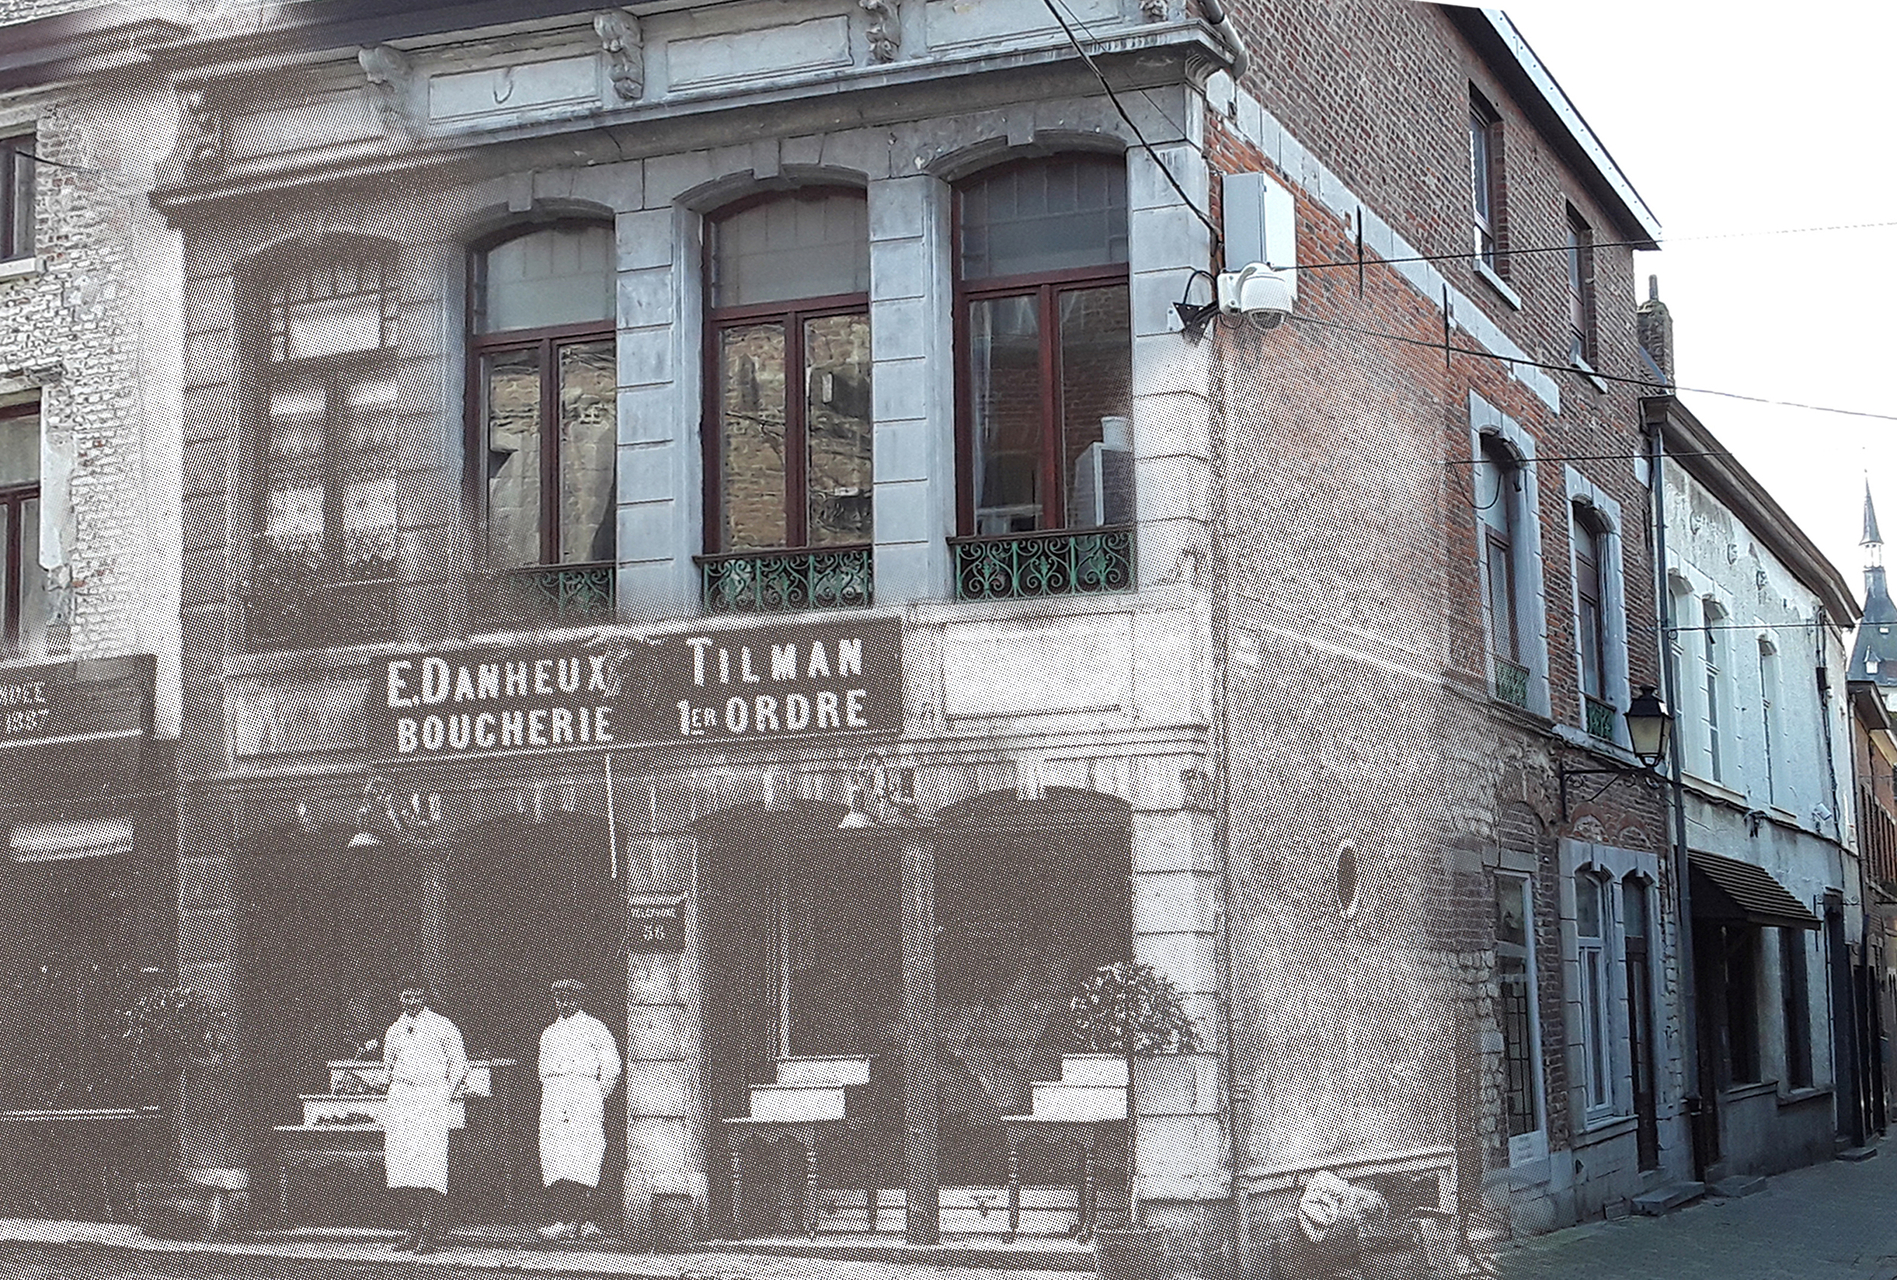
[69, 701]
[783, 680]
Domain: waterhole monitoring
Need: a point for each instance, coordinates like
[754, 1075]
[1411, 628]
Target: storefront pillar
[921, 1154]
[665, 1110]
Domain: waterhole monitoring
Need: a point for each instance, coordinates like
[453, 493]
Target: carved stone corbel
[203, 133]
[624, 45]
[388, 71]
[885, 29]
[1154, 10]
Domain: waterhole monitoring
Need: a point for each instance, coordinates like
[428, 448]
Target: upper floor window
[788, 452]
[1580, 258]
[23, 598]
[1768, 714]
[325, 458]
[1499, 501]
[1712, 651]
[543, 415]
[16, 197]
[1044, 335]
[1485, 181]
[1590, 601]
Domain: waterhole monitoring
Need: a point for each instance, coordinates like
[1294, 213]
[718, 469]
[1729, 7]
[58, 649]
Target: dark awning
[1728, 889]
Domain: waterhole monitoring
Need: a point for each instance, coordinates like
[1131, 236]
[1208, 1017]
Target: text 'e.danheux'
[782, 681]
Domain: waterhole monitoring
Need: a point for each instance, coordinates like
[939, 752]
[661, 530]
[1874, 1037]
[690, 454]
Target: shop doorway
[801, 942]
[491, 916]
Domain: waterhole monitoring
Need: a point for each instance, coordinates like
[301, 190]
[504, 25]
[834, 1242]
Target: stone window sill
[20, 268]
[1501, 286]
[1796, 1096]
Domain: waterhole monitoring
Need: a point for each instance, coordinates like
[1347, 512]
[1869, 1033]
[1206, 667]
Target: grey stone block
[1668, 1198]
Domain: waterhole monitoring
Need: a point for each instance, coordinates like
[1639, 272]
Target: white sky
[1738, 118]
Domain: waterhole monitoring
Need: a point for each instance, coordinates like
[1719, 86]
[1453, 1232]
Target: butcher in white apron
[579, 1067]
[427, 1068]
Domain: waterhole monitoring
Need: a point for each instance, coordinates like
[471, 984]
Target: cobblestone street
[1832, 1221]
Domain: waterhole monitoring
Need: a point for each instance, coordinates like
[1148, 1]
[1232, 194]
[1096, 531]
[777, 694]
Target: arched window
[544, 421]
[323, 342]
[1044, 332]
[789, 426]
[1498, 500]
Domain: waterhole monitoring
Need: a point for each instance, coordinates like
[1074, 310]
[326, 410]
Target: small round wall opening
[1347, 880]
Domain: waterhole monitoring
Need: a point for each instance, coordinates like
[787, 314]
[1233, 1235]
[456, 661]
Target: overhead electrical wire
[1218, 239]
[1649, 384]
[1465, 254]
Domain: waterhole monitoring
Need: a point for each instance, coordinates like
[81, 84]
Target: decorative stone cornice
[624, 45]
[885, 29]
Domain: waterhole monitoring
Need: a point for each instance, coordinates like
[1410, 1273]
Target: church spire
[1872, 541]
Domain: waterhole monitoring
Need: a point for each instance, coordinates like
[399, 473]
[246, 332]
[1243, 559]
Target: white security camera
[1263, 296]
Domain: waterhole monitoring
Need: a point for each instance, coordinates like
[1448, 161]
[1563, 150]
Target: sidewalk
[1832, 1221]
[108, 1250]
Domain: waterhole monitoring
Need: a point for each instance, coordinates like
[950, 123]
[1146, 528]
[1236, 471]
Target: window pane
[1634, 899]
[1594, 993]
[366, 428]
[1501, 601]
[20, 450]
[16, 198]
[837, 424]
[332, 326]
[34, 604]
[293, 465]
[589, 437]
[751, 404]
[1096, 373]
[510, 383]
[1515, 1009]
[563, 275]
[1587, 906]
[1049, 216]
[12, 568]
[796, 247]
[1007, 397]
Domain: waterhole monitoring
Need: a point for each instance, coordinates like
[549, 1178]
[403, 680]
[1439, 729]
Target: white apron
[426, 1064]
[572, 1130]
[416, 1125]
[579, 1066]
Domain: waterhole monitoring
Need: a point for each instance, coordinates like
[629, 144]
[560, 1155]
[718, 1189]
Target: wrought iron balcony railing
[1511, 682]
[541, 595]
[1601, 718]
[1025, 566]
[788, 581]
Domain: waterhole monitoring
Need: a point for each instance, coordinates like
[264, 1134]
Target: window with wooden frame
[1580, 256]
[789, 429]
[1594, 958]
[1485, 182]
[1517, 1013]
[1044, 339]
[23, 598]
[1589, 600]
[1715, 676]
[325, 453]
[1498, 502]
[543, 417]
[16, 197]
[1795, 999]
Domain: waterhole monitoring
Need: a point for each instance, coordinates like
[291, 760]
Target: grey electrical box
[1261, 222]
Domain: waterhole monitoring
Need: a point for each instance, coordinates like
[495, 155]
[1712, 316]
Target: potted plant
[169, 1031]
[1121, 1012]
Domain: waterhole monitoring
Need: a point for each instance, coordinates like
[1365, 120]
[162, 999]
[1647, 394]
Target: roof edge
[1717, 469]
[1497, 38]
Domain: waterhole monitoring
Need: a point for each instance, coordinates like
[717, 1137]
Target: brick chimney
[1653, 324]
